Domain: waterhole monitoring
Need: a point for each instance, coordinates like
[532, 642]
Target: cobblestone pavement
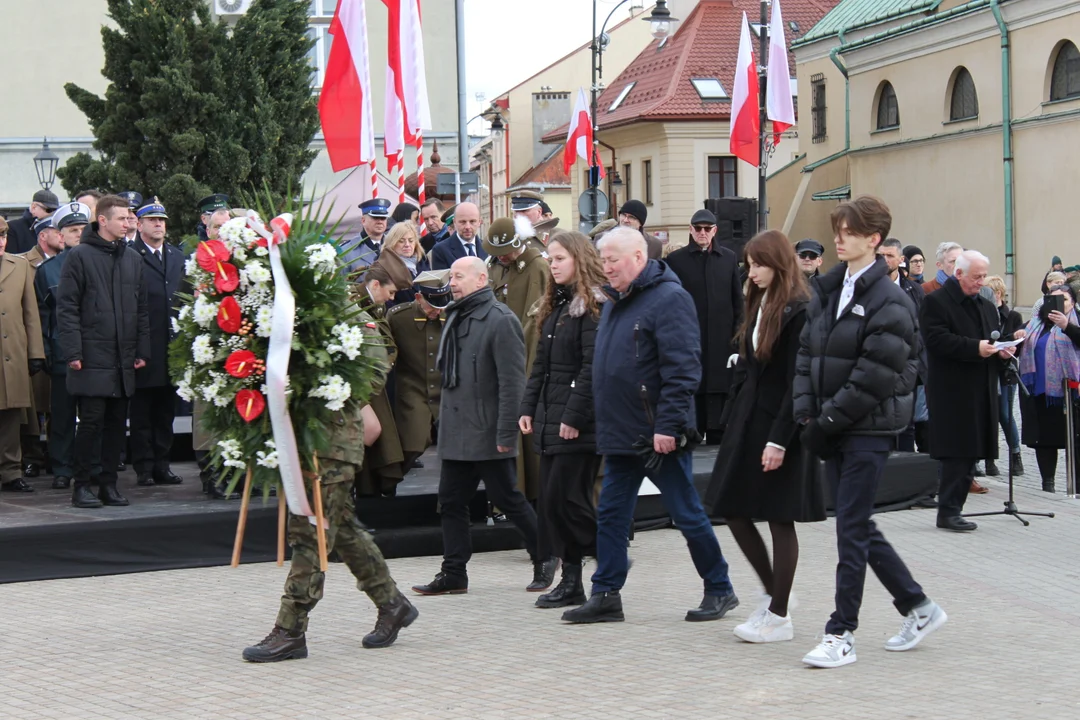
[1031, 477]
[167, 645]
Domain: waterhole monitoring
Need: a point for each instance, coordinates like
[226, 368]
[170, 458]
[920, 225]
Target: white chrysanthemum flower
[231, 454]
[322, 258]
[201, 350]
[205, 312]
[240, 252]
[191, 265]
[260, 251]
[350, 338]
[257, 272]
[334, 390]
[264, 318]
[175, 324]
[268, 459]
[185, 312]
[183, 388]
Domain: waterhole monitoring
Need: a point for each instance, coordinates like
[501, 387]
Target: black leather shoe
[925, 502]
[84, 497]
[569, 591]
[17, 485]
[145, 480]
[31, 470]
[279, 645]
[601, 607]
[418, 464]
[111, 496]
[61, 482]
[394, 615]
[121, 467]
[167, 478]
[443, 584]
[713, 607]
[543, 574]
[956, 524]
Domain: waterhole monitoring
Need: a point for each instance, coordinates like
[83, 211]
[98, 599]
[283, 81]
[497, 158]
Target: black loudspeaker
[736, 221]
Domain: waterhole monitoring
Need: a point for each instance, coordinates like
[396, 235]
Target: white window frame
[622, 96]
[709, 96]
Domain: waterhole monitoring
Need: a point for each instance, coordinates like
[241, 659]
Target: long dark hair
[587, 269]
[773, 250]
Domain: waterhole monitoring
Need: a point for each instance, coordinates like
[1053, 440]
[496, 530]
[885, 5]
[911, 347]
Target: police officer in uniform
[339, 465]
[153, 406]
[417, 329]
[207, 206]
[519, 277]
[70, 220]
[363, 253]
[135, 201]
[49, 243]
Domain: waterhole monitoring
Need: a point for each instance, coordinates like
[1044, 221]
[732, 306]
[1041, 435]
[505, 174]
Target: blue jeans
[618, 498]
[1006, 403]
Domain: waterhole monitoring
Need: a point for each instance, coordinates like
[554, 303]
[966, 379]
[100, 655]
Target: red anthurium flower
[250, 404]
[229, 316]
[240, 364]
[210, 253]
[226, 277]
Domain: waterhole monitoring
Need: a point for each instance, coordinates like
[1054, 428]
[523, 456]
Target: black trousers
[566, 504]
[152, 412]
[62, 427]
[953, 488]
[457, 486]
[102, 424]
[854, 475]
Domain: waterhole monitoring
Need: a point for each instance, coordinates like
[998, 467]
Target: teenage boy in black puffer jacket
[853, 393]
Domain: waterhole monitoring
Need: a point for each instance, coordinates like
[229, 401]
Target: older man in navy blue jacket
[649, 347]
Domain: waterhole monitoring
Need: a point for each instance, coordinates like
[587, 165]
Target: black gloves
[686, 442]
[817, 441]
[36, 366]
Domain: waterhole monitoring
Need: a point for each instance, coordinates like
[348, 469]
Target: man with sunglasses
[810, 254]
[710, 273]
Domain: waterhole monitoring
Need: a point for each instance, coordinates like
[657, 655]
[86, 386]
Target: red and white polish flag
[779, 106]
[745, 130]
[345, 100]
[579, 139]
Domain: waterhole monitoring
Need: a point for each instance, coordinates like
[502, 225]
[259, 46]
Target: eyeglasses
[913, 261]
[703, 228]
[808, 255]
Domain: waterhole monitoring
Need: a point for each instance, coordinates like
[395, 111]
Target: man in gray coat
[482, 339]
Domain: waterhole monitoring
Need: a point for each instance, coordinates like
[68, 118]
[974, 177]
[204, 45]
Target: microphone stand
[1010, 504]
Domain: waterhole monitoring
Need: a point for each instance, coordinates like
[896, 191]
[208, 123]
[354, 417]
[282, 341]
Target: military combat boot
[394, 615]
[543, 574]
[280, 644]
[569, 591]
[601, 607]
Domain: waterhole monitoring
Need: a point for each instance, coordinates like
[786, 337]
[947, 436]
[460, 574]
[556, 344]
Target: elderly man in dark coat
[961, 384]
[710, 273]
[104, 339]
[482, 360]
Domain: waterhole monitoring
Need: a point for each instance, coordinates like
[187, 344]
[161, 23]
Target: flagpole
[763, 64]
[593, 179]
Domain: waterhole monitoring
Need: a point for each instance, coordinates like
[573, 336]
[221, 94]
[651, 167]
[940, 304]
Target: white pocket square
[858, 310]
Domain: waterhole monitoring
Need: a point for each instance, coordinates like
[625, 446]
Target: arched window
[888, 112]
[1065, 80]
[965, 101]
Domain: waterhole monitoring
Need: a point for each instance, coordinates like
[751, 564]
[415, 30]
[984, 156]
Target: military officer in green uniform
[339, 465]
[417, 329]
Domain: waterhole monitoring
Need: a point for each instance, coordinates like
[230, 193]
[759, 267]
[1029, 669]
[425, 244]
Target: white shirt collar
[850, 279]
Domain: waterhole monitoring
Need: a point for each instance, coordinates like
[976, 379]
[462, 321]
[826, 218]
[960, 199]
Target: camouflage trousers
[355, 547]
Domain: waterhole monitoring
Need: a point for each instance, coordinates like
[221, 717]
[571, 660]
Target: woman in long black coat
[558, 409]
[761, 472]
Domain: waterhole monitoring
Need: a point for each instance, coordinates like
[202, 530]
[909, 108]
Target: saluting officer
[417, 329]
[362, 253]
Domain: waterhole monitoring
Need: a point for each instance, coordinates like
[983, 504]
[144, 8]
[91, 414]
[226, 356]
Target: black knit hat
[911, 251]
[637, 209]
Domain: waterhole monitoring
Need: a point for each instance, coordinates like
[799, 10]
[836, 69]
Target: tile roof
[705, 45]
[851, 14]
[547, 173]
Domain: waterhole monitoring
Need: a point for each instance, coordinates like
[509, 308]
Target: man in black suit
[463, 242]
[431, 214]
[961, 384]
[153, 406]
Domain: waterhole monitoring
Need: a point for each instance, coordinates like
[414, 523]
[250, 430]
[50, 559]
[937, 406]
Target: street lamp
[45, 163]
[661, 21]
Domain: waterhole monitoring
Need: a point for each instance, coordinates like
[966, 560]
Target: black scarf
[448, 344]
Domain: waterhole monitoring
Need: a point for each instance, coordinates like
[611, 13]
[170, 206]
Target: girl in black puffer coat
[558, 408]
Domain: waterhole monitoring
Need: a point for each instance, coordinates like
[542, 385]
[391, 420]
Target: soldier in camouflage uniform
[339, 466]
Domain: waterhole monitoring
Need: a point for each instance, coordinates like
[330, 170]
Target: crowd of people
[562, 369]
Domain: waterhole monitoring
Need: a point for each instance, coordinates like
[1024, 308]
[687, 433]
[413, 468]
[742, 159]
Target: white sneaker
[919, 623]
[765, 627]
[833, 651]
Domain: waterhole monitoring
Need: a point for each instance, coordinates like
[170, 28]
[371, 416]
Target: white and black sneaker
[919, 623]
[833, 651]
[765, 627]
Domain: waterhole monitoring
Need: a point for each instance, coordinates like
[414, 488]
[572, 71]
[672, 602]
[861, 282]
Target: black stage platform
[43, 537]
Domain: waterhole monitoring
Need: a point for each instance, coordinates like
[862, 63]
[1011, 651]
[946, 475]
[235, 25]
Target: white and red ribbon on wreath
[277, 363]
